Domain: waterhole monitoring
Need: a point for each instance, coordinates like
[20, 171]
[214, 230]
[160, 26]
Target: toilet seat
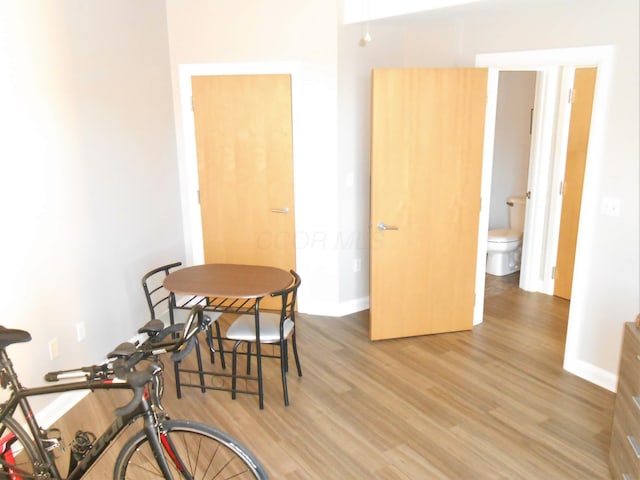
[504, 235]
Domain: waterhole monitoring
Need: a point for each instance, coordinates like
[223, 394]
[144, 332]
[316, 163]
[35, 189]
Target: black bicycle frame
[20, 398]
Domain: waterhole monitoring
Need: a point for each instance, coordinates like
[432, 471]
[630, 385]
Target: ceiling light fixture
[365, 39]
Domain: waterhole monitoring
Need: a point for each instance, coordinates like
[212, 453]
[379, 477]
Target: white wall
[261, 33]
[516, 95]
[355, 63]
[88, 188]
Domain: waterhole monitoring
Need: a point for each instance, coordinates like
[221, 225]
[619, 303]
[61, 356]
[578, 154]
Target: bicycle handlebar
[127, 356]
[137, 381]
[179, 355]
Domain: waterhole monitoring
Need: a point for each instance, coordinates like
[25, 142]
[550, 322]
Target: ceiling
[480, 8]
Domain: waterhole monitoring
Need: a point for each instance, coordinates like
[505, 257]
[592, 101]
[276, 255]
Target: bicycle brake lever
[137, 381]
[155, 395]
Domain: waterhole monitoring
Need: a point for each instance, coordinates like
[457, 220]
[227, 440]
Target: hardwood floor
[495, 285]
[491, 403]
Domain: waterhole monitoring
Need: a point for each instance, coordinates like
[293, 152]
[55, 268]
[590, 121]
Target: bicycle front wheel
[18, 453]
[193, 450]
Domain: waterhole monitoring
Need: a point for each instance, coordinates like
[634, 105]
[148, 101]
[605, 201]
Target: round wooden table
[228, 280]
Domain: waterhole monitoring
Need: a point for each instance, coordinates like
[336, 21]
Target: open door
[426, 165]
[580, 125]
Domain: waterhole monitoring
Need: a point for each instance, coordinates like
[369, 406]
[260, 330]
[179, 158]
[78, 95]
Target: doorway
[512, 151]
[188, 165]
[549, 63]
[549, 257]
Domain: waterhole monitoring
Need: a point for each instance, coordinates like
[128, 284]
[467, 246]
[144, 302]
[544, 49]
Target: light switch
[349, 179]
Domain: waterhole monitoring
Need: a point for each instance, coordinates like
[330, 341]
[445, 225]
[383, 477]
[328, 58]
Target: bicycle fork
[160, 442]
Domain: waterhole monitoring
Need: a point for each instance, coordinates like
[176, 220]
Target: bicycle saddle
[9, 336]
[152, 327]
[123, 350]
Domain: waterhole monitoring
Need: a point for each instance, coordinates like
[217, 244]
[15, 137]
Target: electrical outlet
[80, 331]
[349, 179]
[53, 348]
[357, 265]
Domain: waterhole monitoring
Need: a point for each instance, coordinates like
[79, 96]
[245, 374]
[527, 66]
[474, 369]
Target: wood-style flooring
[491, 403]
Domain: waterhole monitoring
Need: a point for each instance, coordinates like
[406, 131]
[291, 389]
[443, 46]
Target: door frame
[188, 169]
[539, 225]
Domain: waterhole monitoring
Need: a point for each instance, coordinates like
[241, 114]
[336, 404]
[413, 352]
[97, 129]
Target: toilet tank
[516, 213]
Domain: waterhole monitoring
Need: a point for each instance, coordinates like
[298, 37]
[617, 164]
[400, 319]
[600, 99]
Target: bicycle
[164, 448]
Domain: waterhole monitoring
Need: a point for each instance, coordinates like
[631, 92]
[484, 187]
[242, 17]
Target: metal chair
[159, 298]
[273, 328]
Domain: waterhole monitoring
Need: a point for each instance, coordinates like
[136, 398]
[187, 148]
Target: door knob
[280, 210]
[382, 227]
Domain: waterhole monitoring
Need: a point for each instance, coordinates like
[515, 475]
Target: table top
[228, 280]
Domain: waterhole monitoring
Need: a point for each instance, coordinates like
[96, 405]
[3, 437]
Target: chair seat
[244, 328]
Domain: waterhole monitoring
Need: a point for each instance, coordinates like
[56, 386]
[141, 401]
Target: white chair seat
[244, 328]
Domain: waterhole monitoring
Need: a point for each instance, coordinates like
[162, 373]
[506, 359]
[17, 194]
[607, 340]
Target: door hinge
[561, 191]
[553, 273]
[198, 194]
[192, 104]
[571, 93]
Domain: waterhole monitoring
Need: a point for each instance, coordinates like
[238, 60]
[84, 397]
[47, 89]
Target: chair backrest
[289, 296]
[155, 293]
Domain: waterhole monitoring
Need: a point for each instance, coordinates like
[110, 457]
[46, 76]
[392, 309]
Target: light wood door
[426, 162]
[245, 168]
[580, 123]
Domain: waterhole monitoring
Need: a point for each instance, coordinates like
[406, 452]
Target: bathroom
[514, 113]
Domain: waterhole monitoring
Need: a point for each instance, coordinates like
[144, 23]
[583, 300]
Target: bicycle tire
[19, 457]
[207, 453]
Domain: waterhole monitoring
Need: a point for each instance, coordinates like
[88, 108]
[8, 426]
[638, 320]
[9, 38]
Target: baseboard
[593, 374]
[336, 309]
[61, 405]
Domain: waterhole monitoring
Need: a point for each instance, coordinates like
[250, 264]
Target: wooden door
[426, 162]
[578, 142]
[245, 168]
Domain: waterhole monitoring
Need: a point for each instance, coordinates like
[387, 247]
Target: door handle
[280, 210]
[382, 227]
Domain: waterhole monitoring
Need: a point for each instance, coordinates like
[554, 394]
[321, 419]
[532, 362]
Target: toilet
[504, 245]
